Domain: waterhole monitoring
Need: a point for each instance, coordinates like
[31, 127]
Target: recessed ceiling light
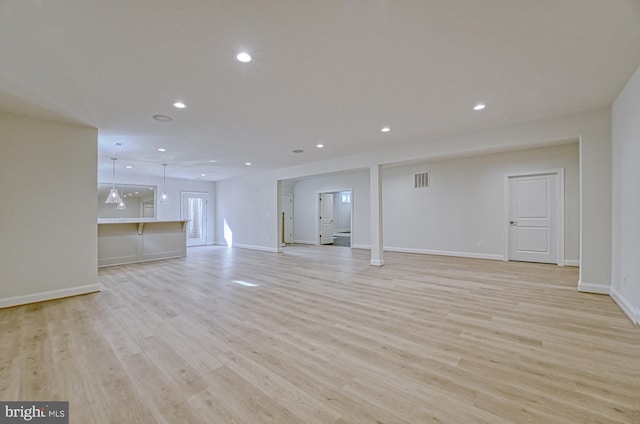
[150, 188]
[244, 57]
[179, 105]
[385, 129]
[298, 151]
[162, 118]
[203, 175]
[319, 146]
[248, 163]
[162, 149]
[479, 106]
[213, 161]
[128, 166]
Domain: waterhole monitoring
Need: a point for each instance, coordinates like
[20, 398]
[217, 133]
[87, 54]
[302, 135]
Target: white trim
[572, 262]
[560, 210]
[48, 295]
[304, 242]
[376, 262]
[627, 308]
[444, 253]
[361, 246]
[135, 260]
[252, 247]
[594, 287]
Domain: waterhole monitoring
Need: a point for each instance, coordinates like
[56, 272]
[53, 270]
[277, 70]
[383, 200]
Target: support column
[375, 187]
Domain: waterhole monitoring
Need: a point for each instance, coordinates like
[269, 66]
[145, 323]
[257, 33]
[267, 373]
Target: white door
[326, 218]
[286, 201]
[533, 218]
[194, 209]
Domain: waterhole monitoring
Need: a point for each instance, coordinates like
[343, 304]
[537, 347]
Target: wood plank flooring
[326, 338]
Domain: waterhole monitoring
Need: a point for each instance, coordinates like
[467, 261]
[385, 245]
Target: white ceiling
[331, 71]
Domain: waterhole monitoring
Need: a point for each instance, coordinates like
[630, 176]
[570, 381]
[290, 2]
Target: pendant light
[113, 196]
[163, 197]
[121, 206]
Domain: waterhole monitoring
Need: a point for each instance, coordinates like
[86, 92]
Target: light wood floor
[326, 338]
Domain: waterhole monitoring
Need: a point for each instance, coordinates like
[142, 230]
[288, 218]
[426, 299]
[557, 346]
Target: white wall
[464, 203]
[48, 231]
[255, 197]
[248, 207]
[171, 209]
[625, 274]
[305, 205]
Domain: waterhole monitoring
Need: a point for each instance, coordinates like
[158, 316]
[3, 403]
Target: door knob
[513, 222]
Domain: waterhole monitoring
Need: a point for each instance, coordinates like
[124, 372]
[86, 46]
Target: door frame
[284, 225]
[560, 209]
[206, 211]
[319, 211]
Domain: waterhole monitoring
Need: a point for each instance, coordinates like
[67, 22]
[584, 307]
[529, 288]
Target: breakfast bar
[123, 241]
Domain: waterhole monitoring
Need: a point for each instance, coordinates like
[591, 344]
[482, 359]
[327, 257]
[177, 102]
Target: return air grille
[421, 180]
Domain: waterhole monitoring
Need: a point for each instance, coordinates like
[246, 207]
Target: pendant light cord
[113, 160]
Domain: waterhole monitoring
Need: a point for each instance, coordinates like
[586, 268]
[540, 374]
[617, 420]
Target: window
[345, 197]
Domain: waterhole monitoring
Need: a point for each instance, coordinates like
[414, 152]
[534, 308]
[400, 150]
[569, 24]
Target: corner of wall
[597, 288]
[627, 308]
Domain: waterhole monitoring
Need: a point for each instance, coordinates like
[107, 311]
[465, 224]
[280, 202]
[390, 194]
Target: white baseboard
[262, 248]
[361, 246]
[594, 287]
[377, 262]
[445, 253]
[305, 242]
[48, 295]
[571, 262]
[627, 308]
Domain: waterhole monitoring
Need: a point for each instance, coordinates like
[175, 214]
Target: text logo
[34, 412]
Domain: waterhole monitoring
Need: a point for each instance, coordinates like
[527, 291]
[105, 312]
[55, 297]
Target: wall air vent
[421, 180]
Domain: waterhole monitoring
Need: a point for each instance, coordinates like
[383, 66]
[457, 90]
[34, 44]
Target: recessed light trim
[128, 166]
[162, 118]
[298, 151]
[203, 175]
[320, 146]
[243, 57]
[180, 105]
[162, 149]
[248, 163]
[479, 106]
[385, 129]
[213, 161]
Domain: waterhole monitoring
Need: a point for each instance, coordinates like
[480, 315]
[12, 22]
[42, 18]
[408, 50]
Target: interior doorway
[535, 211]
[335, 218]
[286, 203]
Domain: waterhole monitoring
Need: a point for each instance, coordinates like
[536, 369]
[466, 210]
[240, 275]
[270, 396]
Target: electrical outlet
[480, 245]
[624, 280]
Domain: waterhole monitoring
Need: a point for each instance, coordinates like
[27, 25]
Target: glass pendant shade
[113, 196]
[121, 206]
